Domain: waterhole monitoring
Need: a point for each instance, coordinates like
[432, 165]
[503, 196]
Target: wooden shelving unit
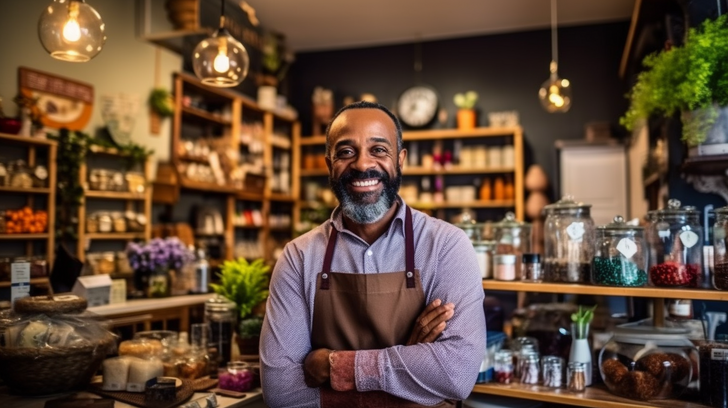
[137, 202]
[33, 147]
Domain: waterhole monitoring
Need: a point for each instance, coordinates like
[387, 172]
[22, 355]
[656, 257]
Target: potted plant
[154, 261]
[246, 284]
[466, 114]
[692, 80]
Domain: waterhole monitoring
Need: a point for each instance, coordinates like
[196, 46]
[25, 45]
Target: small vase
[466, 119]
[580, 349]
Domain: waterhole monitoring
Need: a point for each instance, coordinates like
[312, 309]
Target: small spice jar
[105, 222]
[620, 255]
[4, 178]
[92, 223]
[503, 366]
[531, 268]
[484, 254]
[552, 371]
[237, 377]
[528, 367]
[119, 222]
[505, 267]
[576, 377]
[675, 238]
[720, 240]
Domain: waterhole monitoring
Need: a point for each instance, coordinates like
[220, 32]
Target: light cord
[554, 40]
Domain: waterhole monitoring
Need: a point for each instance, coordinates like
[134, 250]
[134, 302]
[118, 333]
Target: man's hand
[316, 367]
[431, 322]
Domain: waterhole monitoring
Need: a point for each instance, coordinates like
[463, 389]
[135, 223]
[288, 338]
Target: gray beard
[366, 213]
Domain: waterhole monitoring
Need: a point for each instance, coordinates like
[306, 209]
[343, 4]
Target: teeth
[365, 183]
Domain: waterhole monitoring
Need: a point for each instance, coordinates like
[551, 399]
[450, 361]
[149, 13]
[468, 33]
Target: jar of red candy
[675, 240]
[237, 377]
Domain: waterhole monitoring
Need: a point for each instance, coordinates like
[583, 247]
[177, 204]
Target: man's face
[364, 164]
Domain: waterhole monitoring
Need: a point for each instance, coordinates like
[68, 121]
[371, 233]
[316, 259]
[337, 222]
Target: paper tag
[689, 238]
[575, 230]
[627, 247]
[719, 354]
[663, 233]
[19, 280]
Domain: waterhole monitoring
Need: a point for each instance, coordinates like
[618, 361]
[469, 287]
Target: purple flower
[158, 254]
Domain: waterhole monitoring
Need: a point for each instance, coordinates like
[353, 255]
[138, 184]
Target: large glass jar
[568, 241]
[720, 243]
[620, 255]
[221, 315]
[512, 237]
[675, 238]
[648, 363]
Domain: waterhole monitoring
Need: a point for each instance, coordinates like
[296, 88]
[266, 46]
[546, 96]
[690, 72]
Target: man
[341, 328]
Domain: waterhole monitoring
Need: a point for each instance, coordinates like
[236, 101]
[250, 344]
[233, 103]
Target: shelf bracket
[716, 184]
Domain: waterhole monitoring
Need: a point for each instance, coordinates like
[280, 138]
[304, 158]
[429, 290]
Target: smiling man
[381, 305]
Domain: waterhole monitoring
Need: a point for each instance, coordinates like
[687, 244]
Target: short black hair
[367, 105]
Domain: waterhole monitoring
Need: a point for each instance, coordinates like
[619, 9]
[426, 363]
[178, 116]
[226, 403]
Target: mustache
[353, 174]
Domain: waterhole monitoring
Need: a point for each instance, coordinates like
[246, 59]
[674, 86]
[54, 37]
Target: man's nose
[364, 162]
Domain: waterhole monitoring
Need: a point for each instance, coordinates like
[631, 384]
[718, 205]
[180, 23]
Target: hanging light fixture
[71, 30]
[220, 60]
[555, 93]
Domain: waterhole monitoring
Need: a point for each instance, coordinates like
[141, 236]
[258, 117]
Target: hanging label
[719, 354]
[627, 247]
[575, 231]
[663, 234]
[689, 238]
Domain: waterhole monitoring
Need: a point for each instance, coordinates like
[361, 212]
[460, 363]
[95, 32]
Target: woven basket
[40, 371]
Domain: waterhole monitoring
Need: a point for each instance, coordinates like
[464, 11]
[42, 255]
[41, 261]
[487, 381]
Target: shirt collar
[397, 224]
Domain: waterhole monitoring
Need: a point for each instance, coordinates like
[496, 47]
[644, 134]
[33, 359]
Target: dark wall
[506, 70]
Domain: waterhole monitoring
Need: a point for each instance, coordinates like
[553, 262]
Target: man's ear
[328, 163]
[402, 157]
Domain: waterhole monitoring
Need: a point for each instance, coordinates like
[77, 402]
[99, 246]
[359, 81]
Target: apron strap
[409, 243]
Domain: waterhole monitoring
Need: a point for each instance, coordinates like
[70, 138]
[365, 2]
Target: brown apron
[356, 311]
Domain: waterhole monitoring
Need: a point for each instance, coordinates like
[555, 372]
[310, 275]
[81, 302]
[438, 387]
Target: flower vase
[580, 349]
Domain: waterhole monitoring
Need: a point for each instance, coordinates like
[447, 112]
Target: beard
[368, 207]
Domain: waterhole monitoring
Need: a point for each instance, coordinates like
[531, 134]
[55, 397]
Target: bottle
[499, 192]
[202, 272]
[485, 194]
[509, 191]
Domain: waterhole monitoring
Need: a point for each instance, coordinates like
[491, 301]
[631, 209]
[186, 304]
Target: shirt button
[324, 276]
[370, 252]
[409, 274]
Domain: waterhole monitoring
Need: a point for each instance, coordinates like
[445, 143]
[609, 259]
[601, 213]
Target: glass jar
[92, 223]
[528, 367]
[576, 376]
[4, 177]
[221, 315]
[531, 268]
[714, 374]
[105, 222]
[647, 363]
[484, 254]
[236, 377]
[21, 176]
[505, 267]
[720, 245]
[119, 222]
[552, 371]
[675, 240]
[620, 255]
[512, 237]
[568, 241]
[503, 366]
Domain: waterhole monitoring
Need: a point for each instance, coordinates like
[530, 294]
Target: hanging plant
[72, 148]
[161, 102]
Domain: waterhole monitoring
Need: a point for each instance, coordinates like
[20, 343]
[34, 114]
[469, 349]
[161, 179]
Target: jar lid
[219, 303]
[660, 336]
[510, 221]
[567, 203]
[531, 258]
[673, 208]
[505, 259]
[484, 244]
[618, 224]
[721, 210]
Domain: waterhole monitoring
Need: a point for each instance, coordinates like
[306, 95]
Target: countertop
[252, 399]
[146, 305]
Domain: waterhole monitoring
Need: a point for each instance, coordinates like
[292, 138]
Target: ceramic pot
[248, 346]
[466, 119]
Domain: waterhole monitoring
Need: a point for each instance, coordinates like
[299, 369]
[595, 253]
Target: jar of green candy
[620, 255]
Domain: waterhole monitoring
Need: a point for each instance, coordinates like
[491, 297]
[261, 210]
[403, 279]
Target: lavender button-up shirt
[424, 373]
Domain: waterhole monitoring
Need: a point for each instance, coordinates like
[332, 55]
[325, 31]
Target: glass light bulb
[220, 60]
[71, 30]
[555, 94]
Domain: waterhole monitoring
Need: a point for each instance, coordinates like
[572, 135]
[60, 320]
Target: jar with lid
[568, 241]
[92, 223]
[646, 363]
[675, 239]
[119, 222]
[236, 377]
[4, 177]
[105, 222]
[576, 376]
[720, 244]
[221, 315]
[512, 237]
[484, 254]
[503, 366]
[552, 371]
[20, 175]
[620, 255]
[505, 267]
[528, 366]
[531, 268]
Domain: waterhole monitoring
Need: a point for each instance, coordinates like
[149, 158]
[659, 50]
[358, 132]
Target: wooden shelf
[574, 288]
[205, 187]
[245, 196]
[114, 195]
[115, 235]
[36, 281]
[281, 197]
[595, 396]
[313, 140]
[25, 190]
[287, 228]
[26, 140]
[314, 172]
[204, 115]
[470, 204]
[195, 159]
[248, 227]
[23, 236]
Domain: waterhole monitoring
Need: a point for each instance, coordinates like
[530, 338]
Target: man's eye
[379, 150]
[344, 153]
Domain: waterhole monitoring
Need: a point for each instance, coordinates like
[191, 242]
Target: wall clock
[417, 106]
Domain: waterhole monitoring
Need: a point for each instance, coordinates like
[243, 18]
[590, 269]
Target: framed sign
[64, 103]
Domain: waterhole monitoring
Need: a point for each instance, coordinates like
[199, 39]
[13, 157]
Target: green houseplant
[246, 284]
[691, 79]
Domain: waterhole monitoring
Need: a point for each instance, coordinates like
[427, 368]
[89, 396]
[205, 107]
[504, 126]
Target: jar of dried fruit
[675, 240]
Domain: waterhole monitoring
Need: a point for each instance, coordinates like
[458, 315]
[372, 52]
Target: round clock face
[417, 106]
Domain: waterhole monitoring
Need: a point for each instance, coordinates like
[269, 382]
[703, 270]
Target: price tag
[627, 247]
[575, 231]
[719, 354]
[689, 238]
[663, 234]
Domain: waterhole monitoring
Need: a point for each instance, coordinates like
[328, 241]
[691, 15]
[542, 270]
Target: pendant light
[220, 60]
[555, 93]
[71, 30]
